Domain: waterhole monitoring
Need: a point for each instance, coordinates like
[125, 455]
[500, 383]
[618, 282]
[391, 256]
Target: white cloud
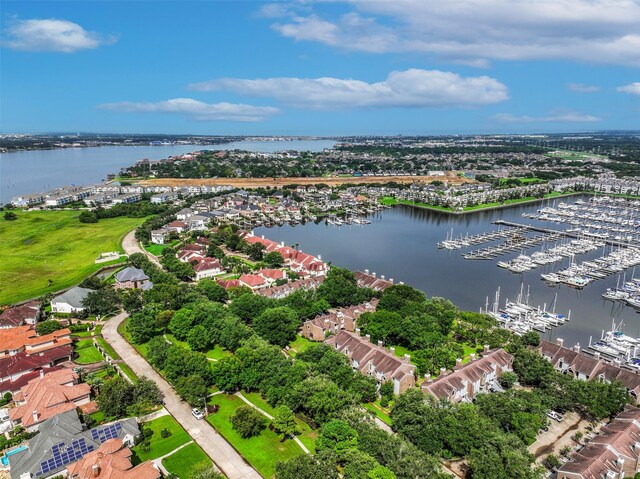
[559, 117]
[475, 31]
[197, 110]
[409, 88]
[51, 35]
[582, 88]
[631, 88]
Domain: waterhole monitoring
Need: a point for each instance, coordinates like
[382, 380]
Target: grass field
[187, 460]
[263, 451]
[46, 251]
[380, 414]
[299, 345]
[157, 249]
[306, 435]
[87, 352]
[160, 445]
[107, 347]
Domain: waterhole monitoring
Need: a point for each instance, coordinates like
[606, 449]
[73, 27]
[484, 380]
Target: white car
[555, 416]
[197, 413]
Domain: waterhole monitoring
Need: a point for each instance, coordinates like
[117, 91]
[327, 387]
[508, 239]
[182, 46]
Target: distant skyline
[303, 67]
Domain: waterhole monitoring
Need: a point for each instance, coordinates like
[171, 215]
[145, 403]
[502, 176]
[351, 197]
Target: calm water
[25, 172]
[401, 244]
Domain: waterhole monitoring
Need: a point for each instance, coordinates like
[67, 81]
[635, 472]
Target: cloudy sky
[320, 68]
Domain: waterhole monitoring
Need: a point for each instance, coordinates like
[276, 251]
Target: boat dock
[567, 234]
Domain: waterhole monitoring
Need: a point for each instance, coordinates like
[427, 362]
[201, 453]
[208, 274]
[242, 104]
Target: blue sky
[320, 68]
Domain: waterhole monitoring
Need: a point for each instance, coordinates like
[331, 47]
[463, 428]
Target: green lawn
[128, 371]
[157, 249]
[97, 416]
[46, 251]
[306, 435]
[218, 353]
[380, 414]
[87, 352]
[263, 451]
[299, 345]
[159, 445]
[107, 347]
[187, 460]
[87, 334]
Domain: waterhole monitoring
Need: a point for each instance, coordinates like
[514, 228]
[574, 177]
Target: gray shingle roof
[74, 297]
[131, 274]
[53, 444]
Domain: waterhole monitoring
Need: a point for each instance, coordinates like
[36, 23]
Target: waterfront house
[126, 198]
[70, 301]
[28, 200]
[130, 277]
[63, 440]
[46, 396]
[374, 360]
[613, 453]
[284, 290]
[589, 368]
[468, 380]
[253, 281]
[366, 280]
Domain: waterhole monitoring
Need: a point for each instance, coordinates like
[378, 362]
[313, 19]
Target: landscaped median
[262, 451]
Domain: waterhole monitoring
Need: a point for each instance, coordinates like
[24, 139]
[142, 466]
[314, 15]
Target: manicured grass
[306, 435]
[186, 461]
[88, 334]
[128, 371]
[157, 249]
[218, 353]
[87, 353]
[159, 445]
[380, 414]
[299, 345]
[263, 451]
[107, 347]
[46, 251]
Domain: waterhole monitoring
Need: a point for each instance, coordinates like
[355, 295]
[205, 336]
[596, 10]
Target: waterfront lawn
[160, 445]
[306, 435]
[263, 451]
[46, 251]
[186, 461]
[299, 345]
[87, 352]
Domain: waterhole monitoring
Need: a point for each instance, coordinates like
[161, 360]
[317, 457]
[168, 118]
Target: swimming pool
[5, 458]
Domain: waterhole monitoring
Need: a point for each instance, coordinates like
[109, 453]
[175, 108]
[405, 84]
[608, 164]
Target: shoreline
[516, 203]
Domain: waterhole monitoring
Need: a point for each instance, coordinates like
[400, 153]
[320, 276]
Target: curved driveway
[214, 445]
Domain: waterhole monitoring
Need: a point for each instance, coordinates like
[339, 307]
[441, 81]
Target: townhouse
[27, 313]
[374, 360]
[468, 380]
[588, 368]
[336, 320]
[24, 339]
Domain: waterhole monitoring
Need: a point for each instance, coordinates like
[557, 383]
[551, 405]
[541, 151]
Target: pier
[567, 234]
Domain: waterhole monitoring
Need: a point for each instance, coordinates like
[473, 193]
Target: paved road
[130, 245]
[214, 445]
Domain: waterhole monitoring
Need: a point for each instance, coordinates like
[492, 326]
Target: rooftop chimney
[382, 277]
[368, 336]
[35, 415]
[391, 280]
[373, 274]
[366, 271]
[393, 350]
[427, 378]
[596, 355]
[358, 331]
[380, 343]
[95, 470]
[407, 358]
[443, 371]
[320, 257]
[41, 373]
[576, 348]
[401, 282]
[262, 236]
[458, 361]
[560, 342]
[486, 349]
[472, 357]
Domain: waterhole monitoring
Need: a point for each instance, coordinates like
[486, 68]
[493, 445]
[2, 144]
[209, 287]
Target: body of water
[401, 244]
[24, 172]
